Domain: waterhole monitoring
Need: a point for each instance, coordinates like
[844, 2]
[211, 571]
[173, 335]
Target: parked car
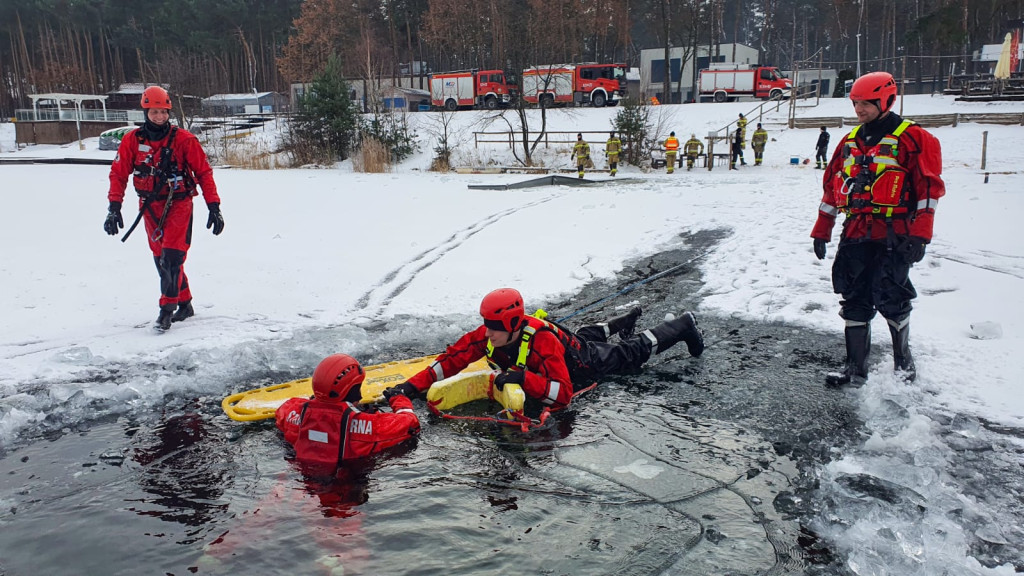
[111, 139]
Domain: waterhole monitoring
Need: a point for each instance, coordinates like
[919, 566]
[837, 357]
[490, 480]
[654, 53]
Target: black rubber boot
[623, 325]
[184, 311]
[163, 321]
[858, 345]
[902, 360]
[667, 334]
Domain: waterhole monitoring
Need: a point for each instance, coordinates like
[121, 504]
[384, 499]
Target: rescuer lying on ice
[546, 359]
[333, 427]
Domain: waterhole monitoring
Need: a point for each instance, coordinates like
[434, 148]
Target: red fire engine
[576, 84]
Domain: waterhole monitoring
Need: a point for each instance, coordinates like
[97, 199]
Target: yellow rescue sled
[474, 383]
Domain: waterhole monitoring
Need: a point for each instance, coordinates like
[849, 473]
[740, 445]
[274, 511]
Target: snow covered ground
[307, 249]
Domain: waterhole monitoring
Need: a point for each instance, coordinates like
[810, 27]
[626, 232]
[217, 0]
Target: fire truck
[575, 84]
[726, 82]
[470, 89]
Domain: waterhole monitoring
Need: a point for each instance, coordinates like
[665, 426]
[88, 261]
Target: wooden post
[984, 148]
[792, 94]
[904, 81]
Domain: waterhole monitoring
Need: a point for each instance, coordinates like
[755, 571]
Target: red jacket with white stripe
[547, 374]
[918, 153]
[326, 433]
[136, 160]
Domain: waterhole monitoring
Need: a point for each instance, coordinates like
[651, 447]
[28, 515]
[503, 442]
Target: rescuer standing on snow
[165, 163]
[611, 149]
[546, 359]
[758, 141]
[885, 176]
[692, 149]
[671, 151]
[333, 427]
[581, 151]
[821, 149]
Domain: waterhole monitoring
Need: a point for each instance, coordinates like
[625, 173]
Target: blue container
[794, 160]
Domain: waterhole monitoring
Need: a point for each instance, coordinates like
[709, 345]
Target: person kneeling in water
[333, 427]
[547, 359]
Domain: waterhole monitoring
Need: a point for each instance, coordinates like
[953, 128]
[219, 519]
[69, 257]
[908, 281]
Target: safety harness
[873, 182]
[166, 173]
[534, 324]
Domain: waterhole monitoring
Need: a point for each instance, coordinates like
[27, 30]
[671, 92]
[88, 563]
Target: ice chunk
[986, 330]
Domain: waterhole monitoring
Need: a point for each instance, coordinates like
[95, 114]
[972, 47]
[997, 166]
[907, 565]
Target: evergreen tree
[633, 123]
[327, 118]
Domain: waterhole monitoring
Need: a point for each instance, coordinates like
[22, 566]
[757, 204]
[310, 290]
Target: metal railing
[758, 111]
[511, 139]
[71, 115]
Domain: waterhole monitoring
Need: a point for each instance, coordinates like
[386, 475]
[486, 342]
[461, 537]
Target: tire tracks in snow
[375, 300]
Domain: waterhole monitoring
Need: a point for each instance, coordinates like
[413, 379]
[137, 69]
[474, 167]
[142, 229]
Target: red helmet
[335, 376]
[503, 310]
[875, 86]
[156, 97]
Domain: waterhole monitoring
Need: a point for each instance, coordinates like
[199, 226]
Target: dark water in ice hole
[690, 467]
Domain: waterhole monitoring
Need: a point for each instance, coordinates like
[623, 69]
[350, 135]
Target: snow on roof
[136, 88]
[242, 96]
[406, 91]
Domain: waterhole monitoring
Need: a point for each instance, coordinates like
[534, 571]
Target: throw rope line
[632, 287]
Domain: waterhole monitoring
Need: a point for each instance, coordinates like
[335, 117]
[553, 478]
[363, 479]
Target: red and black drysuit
[885, 176]
[326, 433]
[551, 357]
[169, 230]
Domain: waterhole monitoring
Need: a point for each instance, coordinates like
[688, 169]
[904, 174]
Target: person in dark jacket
[165, 163]
[547, 360]
[821, 149]
[886, 177]
[737, 149]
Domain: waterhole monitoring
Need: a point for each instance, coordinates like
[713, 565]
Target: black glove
[215, 220]
[113, 222]
[514, 377]
[913, 249]
[819, 249]
[404, 389]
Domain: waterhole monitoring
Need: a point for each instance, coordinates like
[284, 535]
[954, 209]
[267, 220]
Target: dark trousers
[819, 156]
[601, 358]
[872, 277]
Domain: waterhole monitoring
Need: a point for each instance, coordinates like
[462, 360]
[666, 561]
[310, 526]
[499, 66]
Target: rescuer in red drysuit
[546, 359]
[885, 176]
[165, 163]
[333, 427]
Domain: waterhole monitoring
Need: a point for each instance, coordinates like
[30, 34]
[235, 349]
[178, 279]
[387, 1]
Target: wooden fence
[926, 120]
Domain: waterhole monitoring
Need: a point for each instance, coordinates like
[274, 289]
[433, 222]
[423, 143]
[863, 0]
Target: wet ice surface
[740, 462]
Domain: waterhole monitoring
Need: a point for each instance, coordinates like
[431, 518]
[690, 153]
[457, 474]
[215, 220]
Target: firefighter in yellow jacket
[757, 142]
[581, 151]
[671, 150]
[611, 150]
[692, 149]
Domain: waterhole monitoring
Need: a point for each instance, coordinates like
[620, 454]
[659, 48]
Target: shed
[409, 99]
[245, 103]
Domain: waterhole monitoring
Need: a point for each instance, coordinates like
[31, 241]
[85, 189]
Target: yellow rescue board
[452, 392]
[261, 403]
